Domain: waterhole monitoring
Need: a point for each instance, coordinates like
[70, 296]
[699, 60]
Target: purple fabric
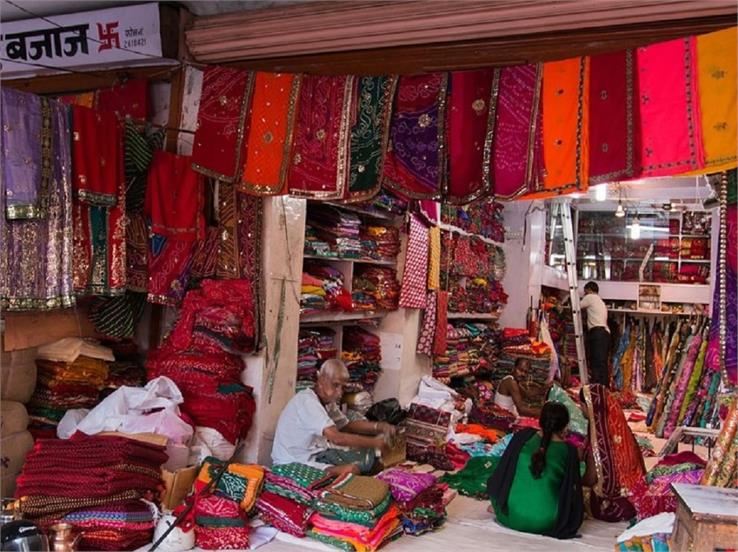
[404, 485]
[21, 153]
[36, 254]
[712, 358]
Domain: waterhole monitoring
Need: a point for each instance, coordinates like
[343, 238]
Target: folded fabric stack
[386, 203]
[239, 482]
[323, 289]
[220, 524]
[426, 429]
[479, 217]
[119, 526]
[470, 348]
[210, 385]
[419, 497]
[316, 246]
[98, 479]
[649, 535]
[492, 416]
[362, 354]
[61, 386]
[653, 494]
[314, 346]
[339, 228]
[376, 288]
[381, 243]
[288, 495]
[476, 295]
[355, 512]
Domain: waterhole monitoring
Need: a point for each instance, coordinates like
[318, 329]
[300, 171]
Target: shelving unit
[348, 266]
[473, 315]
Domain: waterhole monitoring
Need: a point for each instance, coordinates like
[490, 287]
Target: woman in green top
[537, 487]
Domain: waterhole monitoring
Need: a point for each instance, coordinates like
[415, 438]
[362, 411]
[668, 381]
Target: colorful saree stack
[419, 497]
[220, 523]
[361, 352]
[94, 483]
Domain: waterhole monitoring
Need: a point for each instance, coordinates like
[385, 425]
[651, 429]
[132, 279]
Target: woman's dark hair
[554, 419]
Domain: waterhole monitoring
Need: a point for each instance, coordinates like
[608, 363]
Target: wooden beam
[493, 52]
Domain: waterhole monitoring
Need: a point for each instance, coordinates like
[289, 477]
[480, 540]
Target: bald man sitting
[312, 426]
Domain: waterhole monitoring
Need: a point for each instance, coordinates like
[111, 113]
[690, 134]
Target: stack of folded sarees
[419, 497]
[220, 523]
[355, 512]
[95, 483]
[362, 355]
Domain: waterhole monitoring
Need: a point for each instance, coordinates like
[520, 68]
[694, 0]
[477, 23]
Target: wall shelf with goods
[472, 268]
[349, 284]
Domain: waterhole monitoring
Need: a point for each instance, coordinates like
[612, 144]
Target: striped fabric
[139, 151]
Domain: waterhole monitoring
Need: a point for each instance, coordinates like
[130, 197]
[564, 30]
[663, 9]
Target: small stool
[706, 518]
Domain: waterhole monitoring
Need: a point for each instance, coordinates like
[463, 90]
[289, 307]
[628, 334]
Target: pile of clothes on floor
[361, 352]
[375, 288]
[323, 289]
[314, 346]
[66, 379]
[200, 356]
[100, 485]
[471, 348]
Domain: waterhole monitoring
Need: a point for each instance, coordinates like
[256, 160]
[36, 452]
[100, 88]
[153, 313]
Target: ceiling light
[635, 229]
[601, 192]
[620, 212]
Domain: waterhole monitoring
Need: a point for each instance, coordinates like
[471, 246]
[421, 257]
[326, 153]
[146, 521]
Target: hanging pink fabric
[472, 102]
[614, 148]
[517, 131]
[412, 295]
[671, 138]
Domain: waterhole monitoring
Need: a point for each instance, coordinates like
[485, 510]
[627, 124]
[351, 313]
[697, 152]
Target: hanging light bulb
[620, 212]
[635, 229]
[601, 192]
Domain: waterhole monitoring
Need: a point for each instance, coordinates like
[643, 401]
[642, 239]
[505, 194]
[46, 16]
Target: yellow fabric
[434, 256]
[313, 290]
[716, 84]
[252, 473]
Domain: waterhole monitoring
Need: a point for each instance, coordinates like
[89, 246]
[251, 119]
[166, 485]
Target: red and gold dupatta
[218, 150]
[472, 103]
[613, 141]
[320, 144]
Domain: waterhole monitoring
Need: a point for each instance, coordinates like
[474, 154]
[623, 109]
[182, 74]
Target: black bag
[388, 410]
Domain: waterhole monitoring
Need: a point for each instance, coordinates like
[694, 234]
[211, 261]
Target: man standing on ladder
[598, 334]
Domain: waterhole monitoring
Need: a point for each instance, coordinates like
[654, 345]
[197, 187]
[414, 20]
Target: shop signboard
[114, 37]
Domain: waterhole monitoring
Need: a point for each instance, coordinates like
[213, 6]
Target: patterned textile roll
[614, 150]
[726, 439]
[269, 142]
[472, 104]
[434, 257]
[369, 135]
[218, 151]
[565, 128]
[416, 160]
[716, 85]
[137, 253]
[428, 330]
[36, 256]
[26, 154]
[441, 335]
[320, 145]
[97, 155]
[515, 155]
[414, 278]
[668, 108]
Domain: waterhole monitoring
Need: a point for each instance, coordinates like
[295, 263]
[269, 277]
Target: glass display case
[649, 246]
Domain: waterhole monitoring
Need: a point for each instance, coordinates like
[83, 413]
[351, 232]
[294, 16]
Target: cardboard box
[151, 438]
[396, 454]
[177, 486]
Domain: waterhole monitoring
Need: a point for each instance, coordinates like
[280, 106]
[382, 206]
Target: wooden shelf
[334, 316]
[351, 259]
[358, 210]
[473, 315]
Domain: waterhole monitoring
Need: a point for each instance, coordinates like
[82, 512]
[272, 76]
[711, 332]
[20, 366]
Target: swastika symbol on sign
[108, 36]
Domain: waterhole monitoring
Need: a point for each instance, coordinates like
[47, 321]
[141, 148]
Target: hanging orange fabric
[716, 86]
[565, 128]
[273, 109]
